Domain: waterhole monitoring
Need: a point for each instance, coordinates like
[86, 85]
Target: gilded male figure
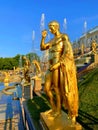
[26, 69]
[94, 46]
[61, 75]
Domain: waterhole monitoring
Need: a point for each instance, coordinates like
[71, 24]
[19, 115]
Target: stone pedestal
[27, 92]
[37, 85]
[58, 123]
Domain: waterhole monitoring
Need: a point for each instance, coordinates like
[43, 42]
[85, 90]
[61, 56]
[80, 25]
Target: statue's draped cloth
[68, 81]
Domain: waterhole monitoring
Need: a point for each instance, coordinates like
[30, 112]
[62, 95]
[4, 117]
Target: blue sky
[19, 18]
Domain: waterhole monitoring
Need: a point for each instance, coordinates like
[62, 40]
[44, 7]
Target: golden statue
[26, 69]
[38, 69]
[6, 79]
[61, 75]
[82, 49]
[94, 46]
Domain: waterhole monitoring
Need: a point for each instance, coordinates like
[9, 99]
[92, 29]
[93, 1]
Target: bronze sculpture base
[58, 123]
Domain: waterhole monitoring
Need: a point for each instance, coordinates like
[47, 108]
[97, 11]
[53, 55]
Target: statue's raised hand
[44, 33]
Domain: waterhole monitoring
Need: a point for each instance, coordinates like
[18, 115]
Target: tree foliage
[9, 63]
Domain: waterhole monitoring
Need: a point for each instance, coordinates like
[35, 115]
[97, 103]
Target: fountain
[85, 31]
[42, 22]
[64, 25]
[33, 40]
[9, 88]
[20, 61]
[44, 58]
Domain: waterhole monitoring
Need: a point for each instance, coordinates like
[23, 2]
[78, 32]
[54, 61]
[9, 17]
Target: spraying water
[33, 35]
[42, 22]
[65, 25]
[85, 30]
[33, 40]
[85, 27]
[20, 61]
[44, 57]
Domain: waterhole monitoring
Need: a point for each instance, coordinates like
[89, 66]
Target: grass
[36, 106]
[88, 93]
[88, 100]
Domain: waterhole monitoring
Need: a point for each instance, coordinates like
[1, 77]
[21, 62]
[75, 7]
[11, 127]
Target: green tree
[9, 63]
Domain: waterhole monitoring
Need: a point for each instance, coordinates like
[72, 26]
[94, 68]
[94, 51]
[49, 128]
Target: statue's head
[54, 25]
[94, 40]
[24, 57]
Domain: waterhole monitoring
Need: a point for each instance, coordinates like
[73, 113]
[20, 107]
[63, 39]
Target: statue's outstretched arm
[43, 45]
